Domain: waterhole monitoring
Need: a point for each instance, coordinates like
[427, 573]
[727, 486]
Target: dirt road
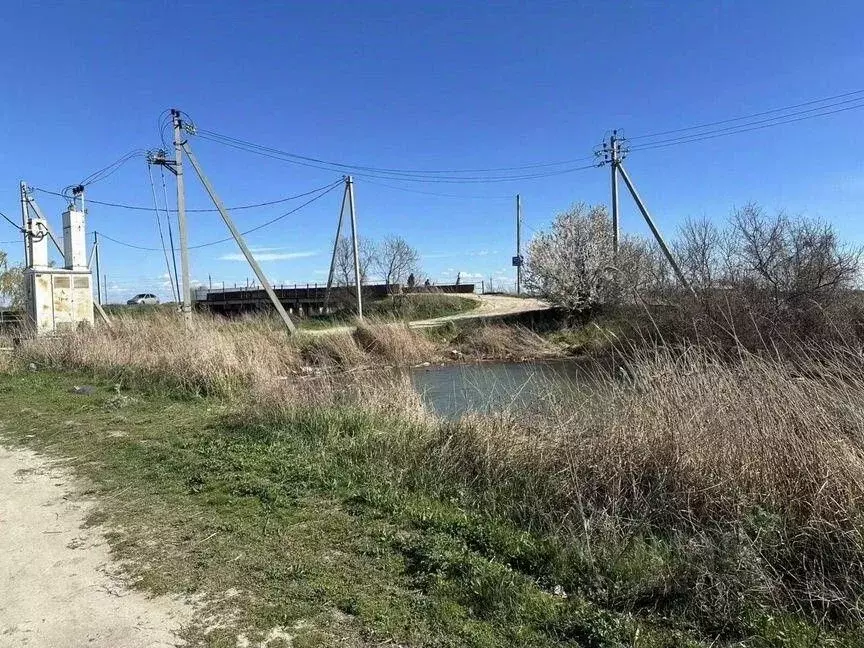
[56, 587]
[490, 305]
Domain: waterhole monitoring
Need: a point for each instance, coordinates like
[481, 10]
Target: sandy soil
[56, 584]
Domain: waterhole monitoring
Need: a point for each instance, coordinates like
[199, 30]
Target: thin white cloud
[268, 256]
[445, 255]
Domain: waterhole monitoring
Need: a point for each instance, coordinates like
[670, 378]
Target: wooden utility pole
[357, 278]
[181, 215]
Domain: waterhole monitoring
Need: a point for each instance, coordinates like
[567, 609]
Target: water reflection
[453, 390]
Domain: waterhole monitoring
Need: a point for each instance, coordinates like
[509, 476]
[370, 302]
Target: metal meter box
[58, 299]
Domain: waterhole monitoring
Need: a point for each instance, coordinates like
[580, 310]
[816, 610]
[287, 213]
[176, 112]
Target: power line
[360, 171]
[435, 193]
[746, 117]
[268, 203]
[214, 136]
[743, 128]
[224, 240]
[503, 174]
[105, 172]
[12, 223]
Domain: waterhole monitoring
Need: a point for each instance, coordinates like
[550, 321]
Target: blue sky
[430, 86]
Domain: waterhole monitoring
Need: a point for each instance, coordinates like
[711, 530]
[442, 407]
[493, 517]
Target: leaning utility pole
[237, 237]
[518, 258]
[357, 277]
[613, 153]
[181, 214]
[667, 253]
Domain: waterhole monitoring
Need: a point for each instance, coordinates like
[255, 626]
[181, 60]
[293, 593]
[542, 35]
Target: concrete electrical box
[58, 299]
[74, 247]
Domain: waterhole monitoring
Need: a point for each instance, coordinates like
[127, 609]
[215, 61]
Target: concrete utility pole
[654, 230]
[613, 153]
[335, 247]
[237, 237]
[96, 253]
[181, 215]
[518, 244]
[615, 161]
[357, 277]
[25, 217]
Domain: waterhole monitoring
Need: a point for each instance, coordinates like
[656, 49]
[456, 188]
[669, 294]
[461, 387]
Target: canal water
[454, 390]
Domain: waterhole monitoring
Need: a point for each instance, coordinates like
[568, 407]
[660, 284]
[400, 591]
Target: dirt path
[56, 587]
[489, 306]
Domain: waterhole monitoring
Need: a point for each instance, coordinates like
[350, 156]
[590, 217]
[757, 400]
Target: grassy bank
[219, 356]
[700, 498]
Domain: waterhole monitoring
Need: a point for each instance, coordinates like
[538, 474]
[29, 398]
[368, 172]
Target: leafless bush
[764, 278]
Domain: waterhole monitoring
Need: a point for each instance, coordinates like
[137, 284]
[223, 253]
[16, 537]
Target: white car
[143, 298]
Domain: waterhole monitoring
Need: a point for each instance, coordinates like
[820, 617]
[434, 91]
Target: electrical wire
[12, 223]
[192, 211]
[435, 193]
[170, 232]
[244, 233]
[107, 171]
[209, 134]
[743, 123]
[360, 171]
[742, 128]
[171, 278]
[751, 116]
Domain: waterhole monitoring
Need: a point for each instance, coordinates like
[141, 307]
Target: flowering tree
[573, 265]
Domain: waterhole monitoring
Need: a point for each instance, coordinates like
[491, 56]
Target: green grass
[334, 525]
[422, 306]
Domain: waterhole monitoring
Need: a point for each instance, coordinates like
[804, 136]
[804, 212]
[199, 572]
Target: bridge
[305, 299]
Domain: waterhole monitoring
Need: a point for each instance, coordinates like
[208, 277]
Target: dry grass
[749, 468]
[395, 343]
[736, 478]
[503, 342]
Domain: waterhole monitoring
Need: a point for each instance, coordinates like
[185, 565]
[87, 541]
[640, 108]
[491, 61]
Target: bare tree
[792, 259]
[345, 260]
[699, 250]
[395, 260]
